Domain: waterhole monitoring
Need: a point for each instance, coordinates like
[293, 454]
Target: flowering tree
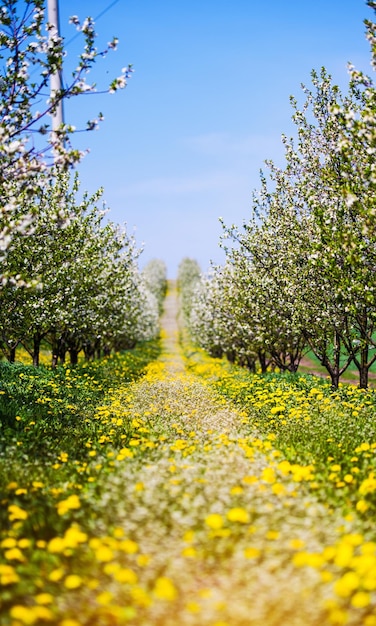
[31, 53]
[306, 259]
[86, 293]
[154, 276]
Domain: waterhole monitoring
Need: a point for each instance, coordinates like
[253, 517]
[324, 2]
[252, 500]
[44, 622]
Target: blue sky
[183, 144]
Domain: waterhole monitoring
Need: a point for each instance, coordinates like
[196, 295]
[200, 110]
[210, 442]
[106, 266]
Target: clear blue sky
[183, 144]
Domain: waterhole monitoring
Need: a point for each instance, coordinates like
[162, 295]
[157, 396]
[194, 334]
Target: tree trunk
[263, 361]
[251, 363]
[363, 369]
[12, 354]
[36, 349]
[73, 355]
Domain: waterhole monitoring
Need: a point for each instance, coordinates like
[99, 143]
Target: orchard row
[300, 274]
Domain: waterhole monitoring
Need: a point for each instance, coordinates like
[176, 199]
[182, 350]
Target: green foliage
[311, 425]
[44, 410]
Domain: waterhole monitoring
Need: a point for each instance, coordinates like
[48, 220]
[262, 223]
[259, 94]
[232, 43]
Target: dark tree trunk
[263, 361]
[73, 356]
[12, 354]
[36, 349]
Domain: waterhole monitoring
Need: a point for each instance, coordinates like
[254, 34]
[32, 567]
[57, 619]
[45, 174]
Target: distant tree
[154, 276]
[189, 274]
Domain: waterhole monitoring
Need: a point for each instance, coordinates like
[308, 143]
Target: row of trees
[84, 289]
[300, 274]
[67, 279]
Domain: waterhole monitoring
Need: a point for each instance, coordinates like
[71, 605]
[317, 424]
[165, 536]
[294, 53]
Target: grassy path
[178, 513]
[229, 534]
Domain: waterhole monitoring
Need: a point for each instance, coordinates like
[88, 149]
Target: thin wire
[95, 20]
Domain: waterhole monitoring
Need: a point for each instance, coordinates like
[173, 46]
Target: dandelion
[23, 613]
[56, 575]
[8, 575]
[252, 553]
[72, 502]
[345, 585]
[56, 545]
[361, 599]
[126, 576]
[268, 475]
[104, 554]
[165, 589]
[14, 554]
[43, 598]
[238, 514]
[73, 581]
[214, 521]
[16, 513]
[128, 546]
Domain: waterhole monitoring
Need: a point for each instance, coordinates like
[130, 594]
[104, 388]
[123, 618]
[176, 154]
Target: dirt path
[171, 356]
[219, 521]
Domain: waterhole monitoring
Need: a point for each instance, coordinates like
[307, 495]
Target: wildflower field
[165, 488]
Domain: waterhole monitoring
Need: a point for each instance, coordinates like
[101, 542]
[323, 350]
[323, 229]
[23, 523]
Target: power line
[95, 20]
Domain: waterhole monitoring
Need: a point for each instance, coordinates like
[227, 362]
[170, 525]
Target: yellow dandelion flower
[72, 502]
[190, 552]
[56, 545]
[143, 560]
[368, 485]
[140, 597]
[361, 599]
[362, 506]
[278, 489]
[73, 581]
[104, 598]
[43, 598]
[126, 576]
[14, 554]
[252, 553]
[8, 575]
[272, 535]
[74, 536]
[344, 554]
[22, 614]
[345, 586]
[56, 575]
[16, 513]
[128, 546]
[104, 554]
[238, 514]
[214, 521]
[8, 542]
[338, 617]
[165, 589]
[268, 475]
[249, 480]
